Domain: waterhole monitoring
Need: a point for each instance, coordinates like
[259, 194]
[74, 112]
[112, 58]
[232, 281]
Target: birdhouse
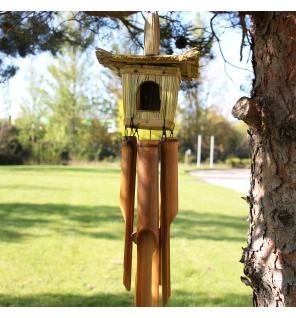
[151, 82]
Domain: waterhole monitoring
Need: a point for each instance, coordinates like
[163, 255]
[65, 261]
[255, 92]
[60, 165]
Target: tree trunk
[270, 257]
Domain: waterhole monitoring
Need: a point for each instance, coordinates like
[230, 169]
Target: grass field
[61, 240]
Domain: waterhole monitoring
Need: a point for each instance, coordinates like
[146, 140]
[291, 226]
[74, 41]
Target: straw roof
[187, 62]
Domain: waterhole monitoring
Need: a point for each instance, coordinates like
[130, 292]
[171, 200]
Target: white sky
[222, 85]
[144, 5]
[217, 88]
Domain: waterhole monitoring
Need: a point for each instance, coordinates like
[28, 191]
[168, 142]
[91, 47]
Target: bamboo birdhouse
[151, 82]
[150, 92]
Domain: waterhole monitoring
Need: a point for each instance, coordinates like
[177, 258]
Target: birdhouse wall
[168, 81]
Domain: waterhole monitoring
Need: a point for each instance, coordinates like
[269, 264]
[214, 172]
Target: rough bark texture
[270, 257]
[248, 110]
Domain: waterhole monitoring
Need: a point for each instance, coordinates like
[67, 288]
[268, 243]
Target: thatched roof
[187, 62]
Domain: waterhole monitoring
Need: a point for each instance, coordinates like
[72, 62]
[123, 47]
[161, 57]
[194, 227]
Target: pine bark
[270, 256]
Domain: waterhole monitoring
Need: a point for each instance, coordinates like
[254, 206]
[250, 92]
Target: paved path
[235, 179]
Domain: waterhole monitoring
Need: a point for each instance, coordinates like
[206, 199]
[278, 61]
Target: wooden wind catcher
[150, 92]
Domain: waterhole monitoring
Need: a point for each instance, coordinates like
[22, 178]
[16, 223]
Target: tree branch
[219, 44]
[248, 110]
[111, 14]
[244, 33]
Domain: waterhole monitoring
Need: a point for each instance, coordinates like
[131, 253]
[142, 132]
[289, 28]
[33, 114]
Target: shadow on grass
[211, 226]
[49, 169]
[178, 299]
[67, 300]
[16, 219]
[26, 187]
[185, 299]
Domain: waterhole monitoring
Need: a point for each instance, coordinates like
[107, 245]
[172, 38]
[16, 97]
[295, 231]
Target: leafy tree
[78, 116]
[33, 116]
[11, 150]
[98, 143]
[208, 122]
[25, 33]
[194, 120]
[70, 100]
[65, 114]
[242, 147]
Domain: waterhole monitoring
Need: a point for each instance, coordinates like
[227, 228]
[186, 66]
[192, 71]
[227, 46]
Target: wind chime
[150, 91]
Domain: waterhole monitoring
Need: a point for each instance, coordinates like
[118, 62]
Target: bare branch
[111, 14]
[19, 21]
[244, 33]
[4, 12]
[248, 110]
[219, 44]
[130, 25]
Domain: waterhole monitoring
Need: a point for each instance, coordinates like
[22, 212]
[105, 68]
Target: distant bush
[236, 162]
[11, 150]
[9, 159]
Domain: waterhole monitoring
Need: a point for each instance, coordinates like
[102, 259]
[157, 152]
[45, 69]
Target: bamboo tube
[169, 207]
[147, 277]
[127, 198]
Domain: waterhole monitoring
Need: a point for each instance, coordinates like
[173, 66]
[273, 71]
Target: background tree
[70, 100]
[66, 114]
[32, 119]
[195, 119]
[98, 143]
[11, 150]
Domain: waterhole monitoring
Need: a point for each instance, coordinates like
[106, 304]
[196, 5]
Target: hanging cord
[163, 127]
[134, 129]
[164, 136]
[125, 132]
[137, 133]
[172, 131]
[132, 126]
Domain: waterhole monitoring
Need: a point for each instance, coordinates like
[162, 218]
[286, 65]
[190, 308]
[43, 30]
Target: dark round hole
[149, 96]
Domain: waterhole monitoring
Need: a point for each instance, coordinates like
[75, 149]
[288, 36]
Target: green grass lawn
[61, 240]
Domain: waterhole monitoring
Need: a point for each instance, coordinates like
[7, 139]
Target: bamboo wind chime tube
[169, 207]
[147, 277]
[127, 198]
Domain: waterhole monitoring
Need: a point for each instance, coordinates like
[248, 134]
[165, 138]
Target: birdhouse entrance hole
[149, 97]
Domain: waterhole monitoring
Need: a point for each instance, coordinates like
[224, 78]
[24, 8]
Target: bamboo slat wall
[168, 79]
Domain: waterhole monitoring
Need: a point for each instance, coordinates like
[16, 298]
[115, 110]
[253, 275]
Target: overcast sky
[222, 85]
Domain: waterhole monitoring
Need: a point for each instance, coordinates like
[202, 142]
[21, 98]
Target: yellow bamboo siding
[169, 83]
